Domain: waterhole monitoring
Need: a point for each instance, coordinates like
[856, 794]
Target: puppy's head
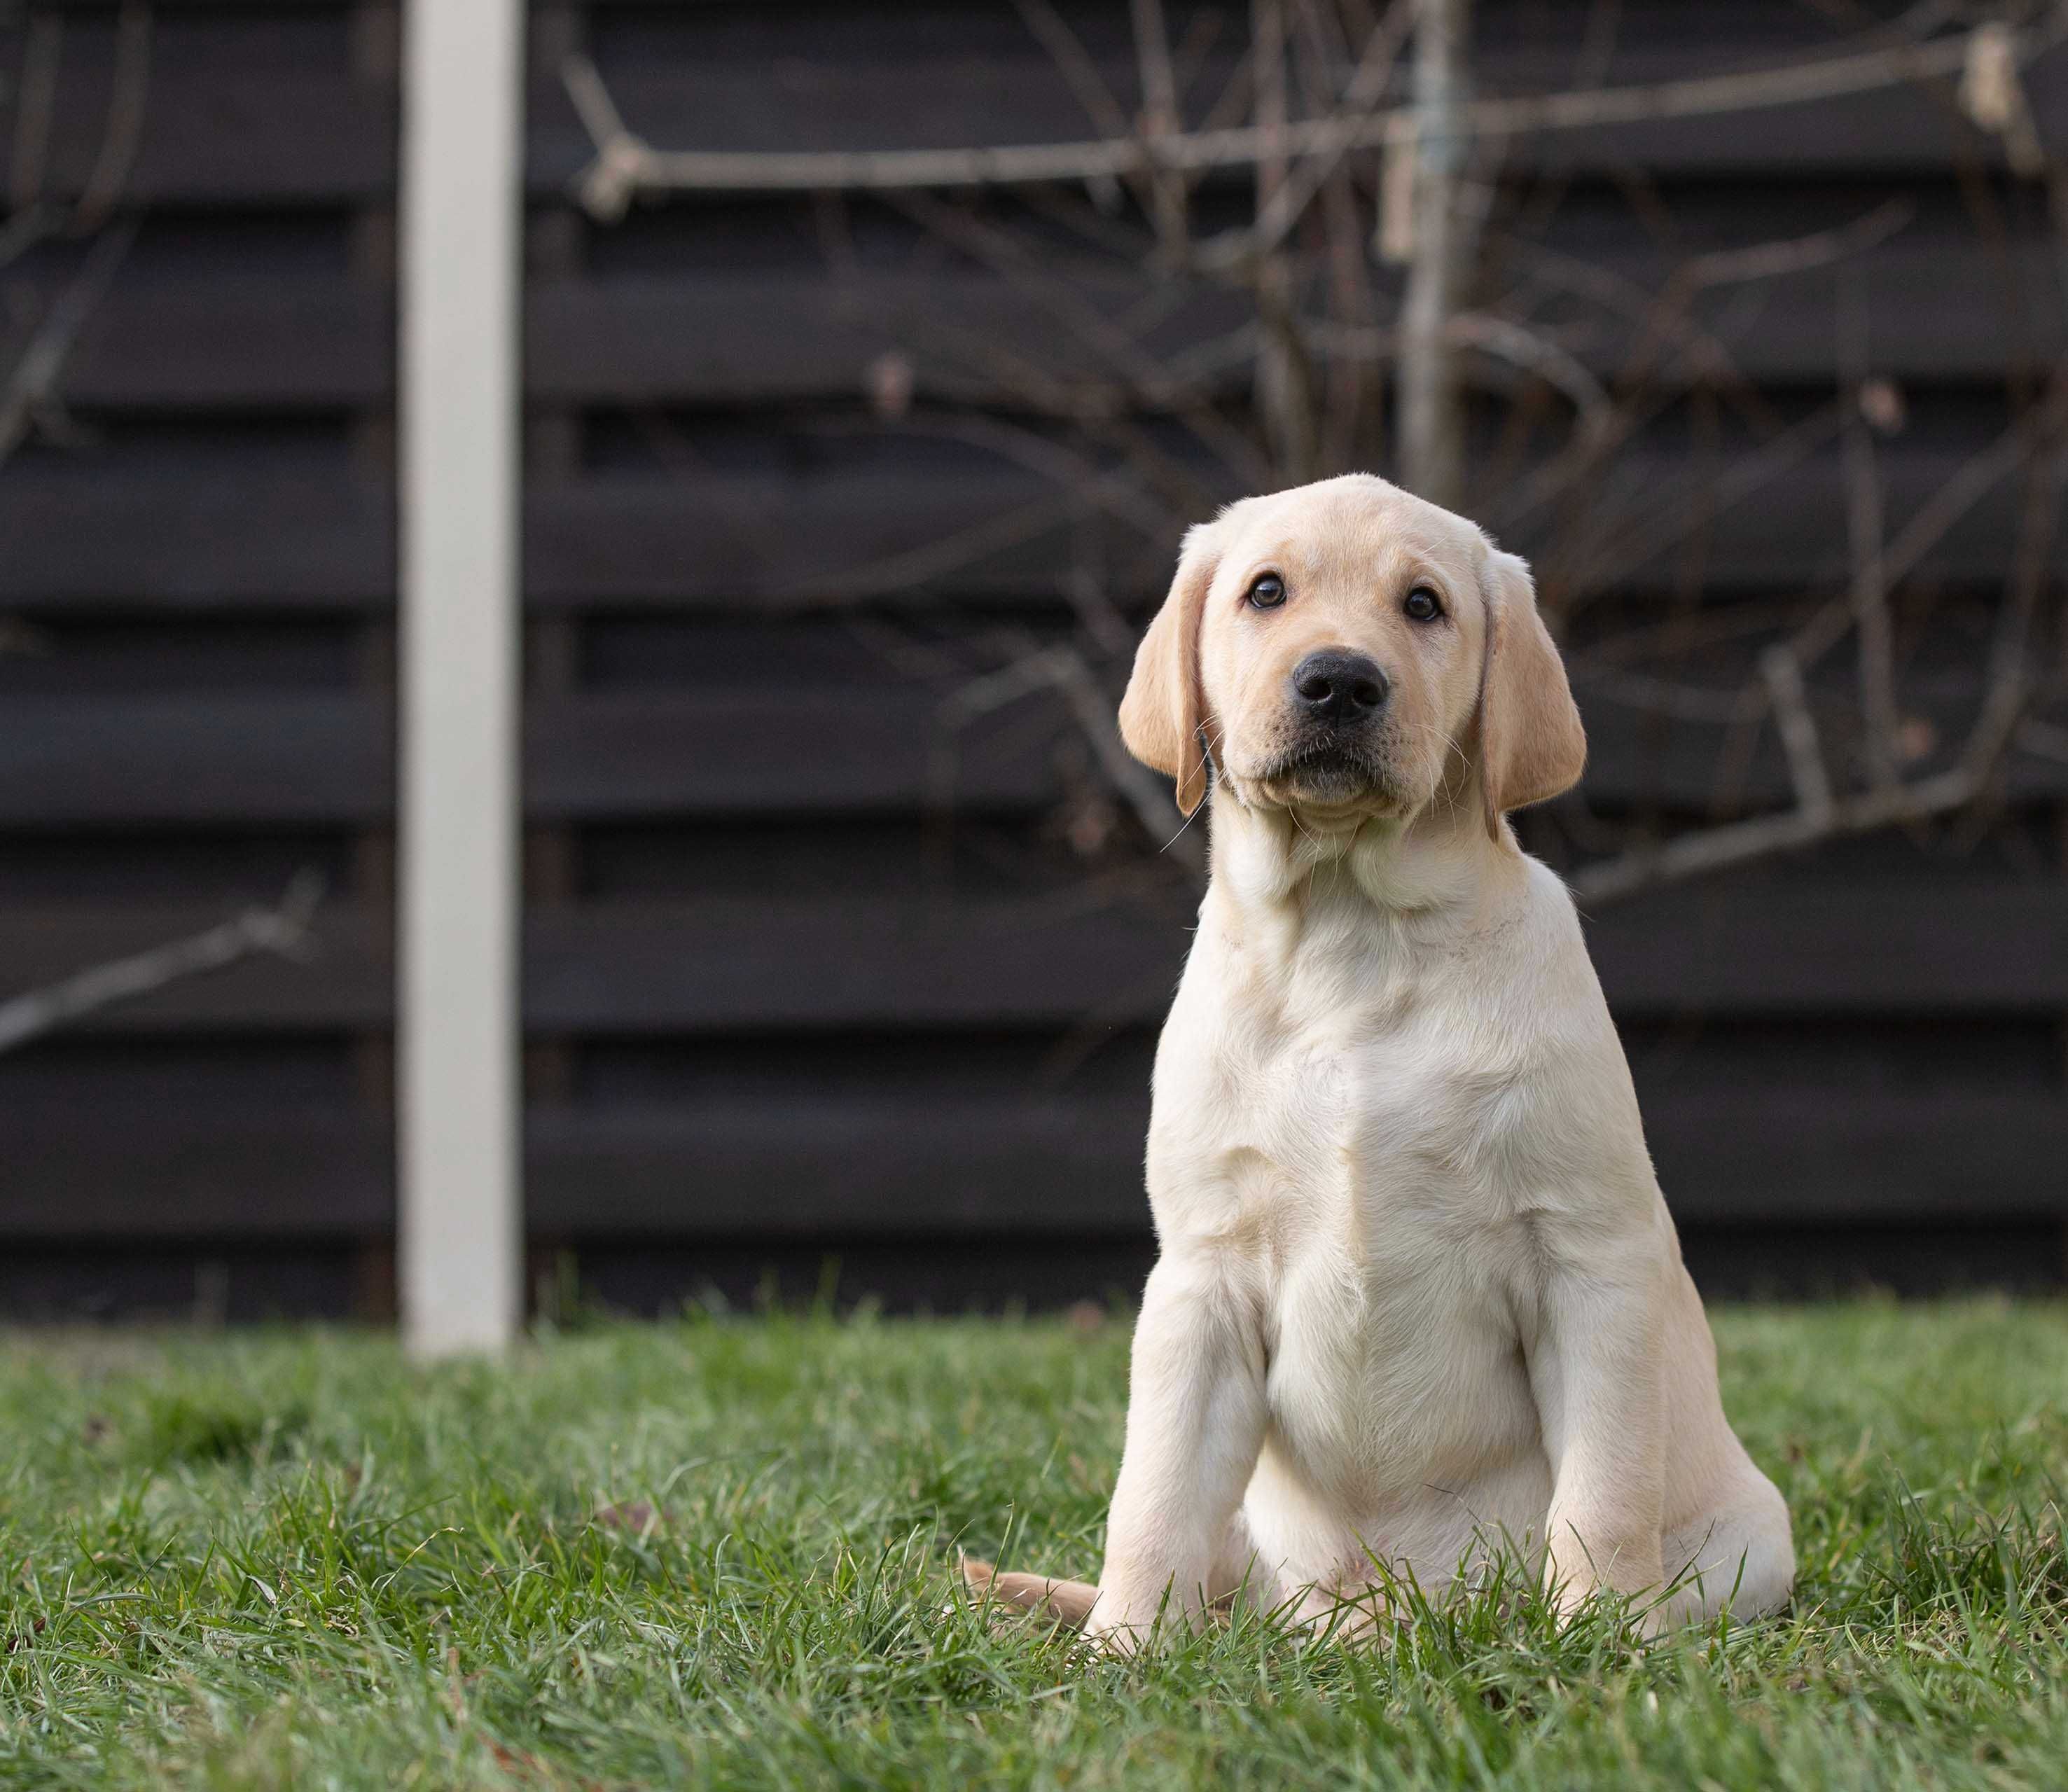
[1346, 649]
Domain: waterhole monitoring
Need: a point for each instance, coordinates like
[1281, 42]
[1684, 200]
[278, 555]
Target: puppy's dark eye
[1422, 605]
[1268, 593]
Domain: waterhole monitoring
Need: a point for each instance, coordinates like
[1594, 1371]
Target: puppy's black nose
[1336, 687]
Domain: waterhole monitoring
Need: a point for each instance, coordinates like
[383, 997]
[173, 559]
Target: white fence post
[460, 1250]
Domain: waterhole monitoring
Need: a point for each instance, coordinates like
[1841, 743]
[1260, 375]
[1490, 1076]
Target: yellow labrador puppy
[1418, 1291]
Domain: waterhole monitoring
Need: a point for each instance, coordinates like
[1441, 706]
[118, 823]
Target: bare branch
[1992, 95]
[626, 164]
[283, 929]
[1063, 670]
[1315, 340]
[1863, 535]
[1442, 254]
[1160, 124]
[1290, 195]
[1504, 339]
[1740, 843]
[1798, 734]
[1668, 521]
[1076, 68]
[125, 117]
[1930, 522]
[35, 105]
[2043, 741]
[1092, 709]
[2008, 690]
[1769, 260]
[32, 386]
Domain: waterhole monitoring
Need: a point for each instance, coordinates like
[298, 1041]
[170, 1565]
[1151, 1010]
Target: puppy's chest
[1366, 1184]
[1380, 1142]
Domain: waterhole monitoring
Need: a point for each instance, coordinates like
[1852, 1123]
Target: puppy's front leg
[1596, 1370]
[1195, 1425]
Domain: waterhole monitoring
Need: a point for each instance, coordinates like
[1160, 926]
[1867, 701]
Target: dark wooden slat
[783, 964]
[1016, 1163]
[325, 756]
[665, 756]
[1636, 759]
[729, 965]
[88, 537]
[718, 338]
[1035, 1164]
[719, 966]
[628, 541]
[636, 541]
[1770, 945]
[636, 755]
[1019, 1163]
[1763, 1157]
[281, 132]
[143, 1174]
[1935, 308]
[243, 345]
[246, 758]
[151, 760]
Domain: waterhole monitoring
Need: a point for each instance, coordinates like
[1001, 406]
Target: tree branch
[33, 385]
[1740, 842]
[283, 929]
[626, 165]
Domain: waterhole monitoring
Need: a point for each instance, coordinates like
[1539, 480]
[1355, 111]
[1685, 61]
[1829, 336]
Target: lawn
[716, 1552]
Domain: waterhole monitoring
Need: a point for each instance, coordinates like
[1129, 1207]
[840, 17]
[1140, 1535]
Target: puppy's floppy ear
[1532, 746]
[1165, 705]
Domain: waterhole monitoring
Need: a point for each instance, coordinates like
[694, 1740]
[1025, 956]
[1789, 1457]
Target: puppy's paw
[1640, 1610]
[1113, 1638]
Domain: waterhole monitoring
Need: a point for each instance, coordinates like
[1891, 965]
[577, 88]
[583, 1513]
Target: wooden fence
[776, 1007]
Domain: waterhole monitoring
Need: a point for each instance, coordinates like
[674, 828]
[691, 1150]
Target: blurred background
[847, 486]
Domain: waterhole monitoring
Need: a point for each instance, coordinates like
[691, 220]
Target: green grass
[290, 1558]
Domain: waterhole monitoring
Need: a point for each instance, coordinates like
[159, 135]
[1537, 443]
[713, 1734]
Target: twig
[1740, 843]
[1502, 338]
[1769, 260]
[1654, 696]
[1063, 670]
[1929, 523]
[1290, 197]
[1074, 62]
[1006, 255]
[2008, 690]
[283, 929]
[125, 118]
[1441, 256]
[2000, 724]
[1783, 675]
[2043, 741]
[1505, 339]
[1992, 95]
[1092, 710]
[35, 106]
[1864, 537]
[34, 382]
[1283, 400]
[1160, 123]
[1667, 523]
[626, 164]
